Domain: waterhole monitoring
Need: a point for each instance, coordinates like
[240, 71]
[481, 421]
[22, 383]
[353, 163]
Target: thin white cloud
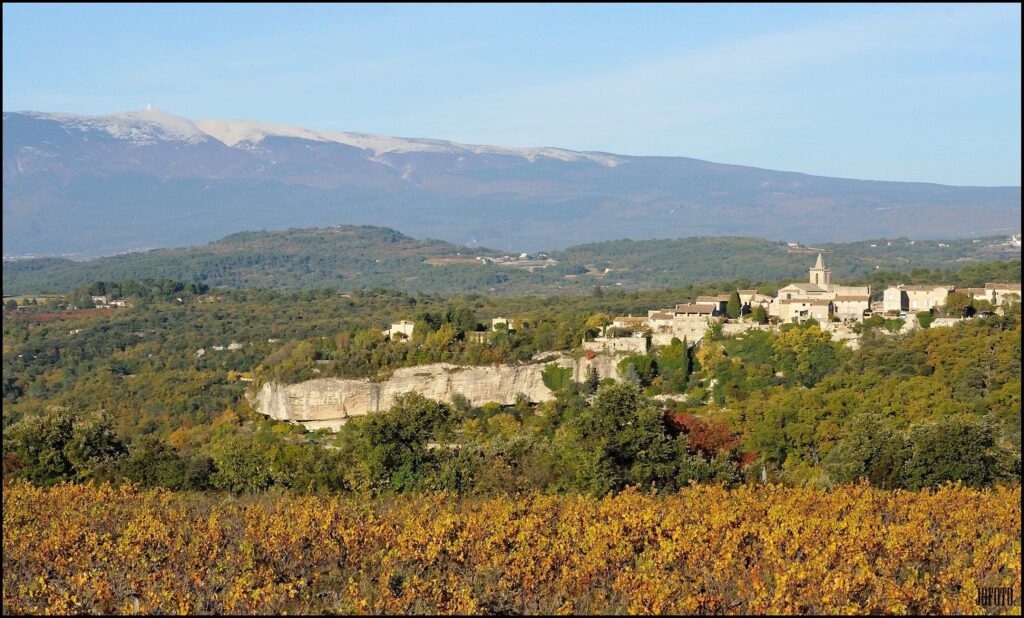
[763, 57]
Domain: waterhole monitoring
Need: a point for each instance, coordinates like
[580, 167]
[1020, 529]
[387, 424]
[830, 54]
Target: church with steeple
[820, 299]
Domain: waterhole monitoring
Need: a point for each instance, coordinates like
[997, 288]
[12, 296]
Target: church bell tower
[821, 275]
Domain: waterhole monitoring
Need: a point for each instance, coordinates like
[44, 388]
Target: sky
[885, 92]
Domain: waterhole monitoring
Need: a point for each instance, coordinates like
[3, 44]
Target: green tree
[38, 443]
[151, 462]
[597, 323]
[59, 446]
[870, 450]
[242, 467]
[733, 308]
[388, 451]
[461, 317]
[805, 355]
[759, 315]
[557, 378]
[955, 449]
[674, 365]
[645, 367]
[592, 380]
[958, 304]
[719, 470]
[620, 440]
[95, 447]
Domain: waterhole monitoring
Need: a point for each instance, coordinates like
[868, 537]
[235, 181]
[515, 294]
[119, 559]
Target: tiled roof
[694, 308]
[924, 288]
[806, 287]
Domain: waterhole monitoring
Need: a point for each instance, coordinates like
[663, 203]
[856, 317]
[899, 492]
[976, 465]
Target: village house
[690, 320]
[750, 299]
[401, 329]
[851, 307]
[926, 297]
[892, 300]
[915, 298]
[796, 310]
[698, 310]
[510, 324]
[972, 293]
[995, 293]
[633, 324]
[660, 320]
[720, 302]
[1001, 293]
[481, 336]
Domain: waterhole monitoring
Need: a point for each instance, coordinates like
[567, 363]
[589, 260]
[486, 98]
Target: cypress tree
[733, 308]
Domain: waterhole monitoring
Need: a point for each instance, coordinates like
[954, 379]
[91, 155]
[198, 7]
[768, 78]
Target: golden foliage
[768, 549]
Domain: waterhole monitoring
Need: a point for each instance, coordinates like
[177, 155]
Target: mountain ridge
[232, 132]
[100, 185]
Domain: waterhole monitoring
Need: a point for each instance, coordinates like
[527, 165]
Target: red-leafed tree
[704, 436]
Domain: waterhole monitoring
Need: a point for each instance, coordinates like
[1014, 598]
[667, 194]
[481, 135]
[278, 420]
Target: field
[765, 549]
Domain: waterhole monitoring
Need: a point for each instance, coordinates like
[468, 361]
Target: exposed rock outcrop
[329, 402]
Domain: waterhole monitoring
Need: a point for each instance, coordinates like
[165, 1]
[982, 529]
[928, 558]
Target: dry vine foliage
[768, 549]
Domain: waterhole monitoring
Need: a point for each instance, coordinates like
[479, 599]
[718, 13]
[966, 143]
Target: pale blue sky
[891, 92]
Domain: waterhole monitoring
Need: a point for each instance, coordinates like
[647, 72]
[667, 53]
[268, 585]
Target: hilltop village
[837, 308]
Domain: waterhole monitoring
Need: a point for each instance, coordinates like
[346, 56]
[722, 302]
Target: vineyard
[764, 549]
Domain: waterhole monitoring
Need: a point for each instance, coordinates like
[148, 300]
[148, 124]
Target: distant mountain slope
[93, 185]
[352, 258]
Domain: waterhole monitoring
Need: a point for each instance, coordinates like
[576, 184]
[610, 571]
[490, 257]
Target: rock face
[329, 402]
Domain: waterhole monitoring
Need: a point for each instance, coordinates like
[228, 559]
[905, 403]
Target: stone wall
[629, 345]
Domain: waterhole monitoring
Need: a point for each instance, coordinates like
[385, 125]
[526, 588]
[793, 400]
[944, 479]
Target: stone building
[914, 298]
[798, 310]
[698, 310]
[1001, 293]
[401, 329]
[750, 299]
[851, 307]
[633, 324]
[799, 301]
[719, 301]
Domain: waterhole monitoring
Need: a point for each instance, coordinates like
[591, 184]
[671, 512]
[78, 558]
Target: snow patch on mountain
[235, 132]
[144, 126]
[149, 125]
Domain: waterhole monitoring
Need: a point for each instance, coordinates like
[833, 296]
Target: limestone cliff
[329, 402]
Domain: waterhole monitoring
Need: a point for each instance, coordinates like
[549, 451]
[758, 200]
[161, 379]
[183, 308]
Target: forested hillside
[350, 258]
[154, 393]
